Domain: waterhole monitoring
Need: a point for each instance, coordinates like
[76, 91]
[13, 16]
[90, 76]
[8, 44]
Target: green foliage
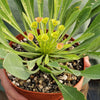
[13, 64]
[3, 53]
[47, 49]
[92, 73]
[40, 7]
[51, 8]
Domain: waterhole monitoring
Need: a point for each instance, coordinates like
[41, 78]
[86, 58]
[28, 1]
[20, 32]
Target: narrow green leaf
[4, 6]
[72, 18]
[39, 60]
[95, 12]
[64, 7]
[44, 69]
[55, 72]
[92, 3]
[68, 57]
[27, 7]
[31, 64]
[26, 19]
[28, 54]
[40, 7]
[83, 16]
[69, 22]
[94, 24]
[57, 5]
[13, 64]
[3, 53]
[51, 8]
[94, 45]
[69, 93]
[21, 9]
[94, 54]
[33, 72]
[69, 11]
[83, 37]
[47, 59]
[53, 64]
[92, 72]
[28, 47]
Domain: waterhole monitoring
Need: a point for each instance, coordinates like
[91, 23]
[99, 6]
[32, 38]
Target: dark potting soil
[43, 82]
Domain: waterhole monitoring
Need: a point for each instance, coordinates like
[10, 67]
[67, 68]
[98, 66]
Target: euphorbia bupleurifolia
[48, 48]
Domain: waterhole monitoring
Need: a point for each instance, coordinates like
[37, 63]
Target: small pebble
[28, 81]
[45, 76]
[40, 86]
[13, 82]
[64, 77]
[40, 81]
[60, 81]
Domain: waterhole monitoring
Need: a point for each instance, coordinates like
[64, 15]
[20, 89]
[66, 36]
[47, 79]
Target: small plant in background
[48, 47]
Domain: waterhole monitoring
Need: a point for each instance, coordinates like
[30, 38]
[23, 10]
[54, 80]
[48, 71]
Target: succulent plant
[48, 48]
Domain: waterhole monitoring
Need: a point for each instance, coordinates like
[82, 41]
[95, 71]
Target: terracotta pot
[39, 95]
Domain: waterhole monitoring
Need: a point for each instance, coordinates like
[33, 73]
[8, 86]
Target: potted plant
[45, 50]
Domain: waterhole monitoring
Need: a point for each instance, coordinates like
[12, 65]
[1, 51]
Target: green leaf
[7, 33]
[57, 5]
[27, 5]
[31, 64]
[27, 47]
[21, 9]
[47, 59]
[92, 3]
[83, 37]
[94, 44]
[69, 22]
[3, 53]
[39, 60]
[28, 54]
[94, 25]
[96, 54]
[13, 64]
[69, 11]
[4, 6]
[53, 64]
[92, 72]
[55, 72]
[69, 93]
[75, 72]
[4, 42]
[64, 7]
[69, 57]
[33, 72]
[51, 8]
[6, 14]
[44, 69]
[40, 7]
[72, 18]
[83, 16]
[95, 11]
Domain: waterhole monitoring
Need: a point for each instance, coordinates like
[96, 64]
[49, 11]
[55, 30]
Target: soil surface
[43, 82]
